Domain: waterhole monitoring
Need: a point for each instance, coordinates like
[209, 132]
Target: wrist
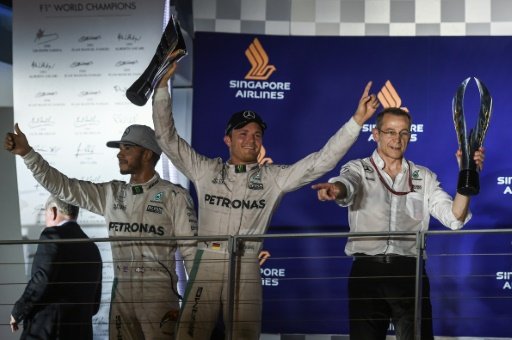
[25, 152]
[339, 190]
[358, 119]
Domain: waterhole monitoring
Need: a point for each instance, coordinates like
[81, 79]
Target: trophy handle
[458, 116]
[485, 113]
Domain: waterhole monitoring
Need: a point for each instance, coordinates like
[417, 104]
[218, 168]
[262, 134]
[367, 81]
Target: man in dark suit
[65, 288]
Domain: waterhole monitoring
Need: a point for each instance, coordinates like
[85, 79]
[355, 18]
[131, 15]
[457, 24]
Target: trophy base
[468, 183]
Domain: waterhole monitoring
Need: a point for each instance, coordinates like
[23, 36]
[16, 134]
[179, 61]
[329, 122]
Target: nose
[397, 138]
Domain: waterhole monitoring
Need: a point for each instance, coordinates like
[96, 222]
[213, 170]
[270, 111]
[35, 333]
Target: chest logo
[255, 181]
[367, 168]
[158, 197]
[154, 209]
[416, 175]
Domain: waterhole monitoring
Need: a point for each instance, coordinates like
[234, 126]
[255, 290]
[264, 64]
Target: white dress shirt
[374, 208]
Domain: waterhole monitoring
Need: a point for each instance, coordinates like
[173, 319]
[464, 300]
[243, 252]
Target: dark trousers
[382, 290]
[59, 322]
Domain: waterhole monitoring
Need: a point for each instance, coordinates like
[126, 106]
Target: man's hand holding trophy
[170, 50]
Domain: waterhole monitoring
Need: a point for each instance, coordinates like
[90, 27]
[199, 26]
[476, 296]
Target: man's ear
[375, 134]
[147, 155]
[227, 141]
[53, 212]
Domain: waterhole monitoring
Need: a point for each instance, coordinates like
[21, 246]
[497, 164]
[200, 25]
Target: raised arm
[318, 163]
[181, 154]
[88, 195]
[164, 82]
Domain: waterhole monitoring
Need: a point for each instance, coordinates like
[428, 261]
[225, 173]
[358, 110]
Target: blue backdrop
[307, 89]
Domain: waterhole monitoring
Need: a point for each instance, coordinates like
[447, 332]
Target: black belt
[384, 258]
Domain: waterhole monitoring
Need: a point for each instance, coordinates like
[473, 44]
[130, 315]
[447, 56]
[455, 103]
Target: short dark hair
[62, 207]
[396, 111]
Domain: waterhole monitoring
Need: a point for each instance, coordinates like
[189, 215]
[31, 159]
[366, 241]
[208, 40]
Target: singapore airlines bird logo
[389, 97]
[260, 69]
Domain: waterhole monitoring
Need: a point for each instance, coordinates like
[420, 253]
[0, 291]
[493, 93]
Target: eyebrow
[245, 129]
[391, 129]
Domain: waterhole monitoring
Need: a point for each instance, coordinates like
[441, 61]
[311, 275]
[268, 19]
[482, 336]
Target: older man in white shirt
[385, 192]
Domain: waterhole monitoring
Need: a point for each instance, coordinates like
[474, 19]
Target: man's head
[57, 211]
[244, 137]
[395, 111]
[137, 143]
[140, 135]
[242, 118]
[392, 132]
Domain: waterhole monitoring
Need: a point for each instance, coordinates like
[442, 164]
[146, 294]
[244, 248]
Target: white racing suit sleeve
[185, 224]
[181, 154]
[318, 163]
[91, 196]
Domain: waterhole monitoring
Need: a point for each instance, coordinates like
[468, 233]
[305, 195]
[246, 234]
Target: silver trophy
[469, 183]
[170, 49]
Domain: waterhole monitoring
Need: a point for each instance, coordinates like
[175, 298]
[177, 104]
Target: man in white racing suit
[145, 301]
[238, 197]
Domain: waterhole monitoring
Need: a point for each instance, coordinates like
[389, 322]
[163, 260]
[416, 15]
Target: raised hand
[478, 157]
[368, 104]
[16, 142]
[170, 72]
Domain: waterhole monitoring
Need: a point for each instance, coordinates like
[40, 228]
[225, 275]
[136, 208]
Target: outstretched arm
[330, 191]
[88, 195]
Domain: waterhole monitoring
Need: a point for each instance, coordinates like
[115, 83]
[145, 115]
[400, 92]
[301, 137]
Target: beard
[126, 170]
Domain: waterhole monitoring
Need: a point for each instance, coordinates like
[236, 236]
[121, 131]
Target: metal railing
[234, 243]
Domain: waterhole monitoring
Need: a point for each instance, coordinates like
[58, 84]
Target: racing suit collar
[150, 183]
[240, 168]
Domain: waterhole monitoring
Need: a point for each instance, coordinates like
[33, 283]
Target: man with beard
[145, 301]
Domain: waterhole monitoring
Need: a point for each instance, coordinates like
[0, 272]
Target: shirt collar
[65, 221]
[380, 162]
